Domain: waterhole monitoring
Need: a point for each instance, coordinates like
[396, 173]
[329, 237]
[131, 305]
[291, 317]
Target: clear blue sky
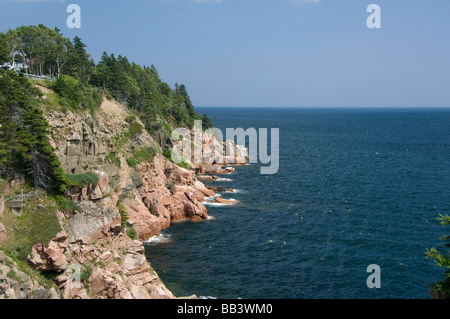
[269, 52]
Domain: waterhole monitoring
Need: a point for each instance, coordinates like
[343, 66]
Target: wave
[223, 179]
[233, 191]
[162, 238]
[214, 204]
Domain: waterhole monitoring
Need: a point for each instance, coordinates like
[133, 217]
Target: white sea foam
[207, 297]
[213, 204]
[223, 179]
[162, 238]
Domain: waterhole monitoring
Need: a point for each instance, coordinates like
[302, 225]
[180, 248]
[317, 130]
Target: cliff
[125, 192]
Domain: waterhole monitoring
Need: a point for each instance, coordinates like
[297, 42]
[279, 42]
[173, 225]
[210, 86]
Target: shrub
[145, 154]
[71, 93]
[131, 161]
[123, 213]
[82, 180]
[132, 233]
[112, 157]
[67, 204]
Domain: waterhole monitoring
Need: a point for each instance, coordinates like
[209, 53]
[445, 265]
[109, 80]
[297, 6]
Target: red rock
[225, 201]
[51, 257]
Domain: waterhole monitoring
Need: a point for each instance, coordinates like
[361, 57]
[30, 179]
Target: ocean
[355, 187]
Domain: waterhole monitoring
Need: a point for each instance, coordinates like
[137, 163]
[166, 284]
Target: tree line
[44, 51]
[80, 84]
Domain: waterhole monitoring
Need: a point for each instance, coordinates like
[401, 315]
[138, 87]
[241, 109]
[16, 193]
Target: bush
[66, 204]
[123, 213]
[132, 233]
[82, 180]
[71, 93]
[145, 154]
[131, 161]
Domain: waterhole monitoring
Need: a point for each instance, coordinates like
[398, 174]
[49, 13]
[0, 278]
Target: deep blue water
[355, 187]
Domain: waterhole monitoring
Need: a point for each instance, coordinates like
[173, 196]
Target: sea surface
[355, 187]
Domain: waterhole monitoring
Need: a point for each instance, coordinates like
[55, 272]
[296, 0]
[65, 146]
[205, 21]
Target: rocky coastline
[94, 241]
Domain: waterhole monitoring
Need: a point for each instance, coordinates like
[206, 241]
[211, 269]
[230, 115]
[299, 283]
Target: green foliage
[132, 233]
[206, 122]
[38, 223]
[145, 154]
[123, 213]
[132, 162]
[24, 143]
[184, 164]
[442, 261]
[114, 159]
[80, 81]
[86, 272]
[143, 91]
[72, 94]
[14, 276]
[82, 180]
[134, 129]
[66, 204]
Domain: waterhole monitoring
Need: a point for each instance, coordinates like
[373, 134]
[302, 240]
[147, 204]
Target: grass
[145, 154]
[45, 280]
[37, 223]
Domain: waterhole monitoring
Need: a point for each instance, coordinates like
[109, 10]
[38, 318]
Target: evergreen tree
[24, 134]
[441, 290]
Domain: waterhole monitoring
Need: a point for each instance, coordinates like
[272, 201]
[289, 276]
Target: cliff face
[96, 253]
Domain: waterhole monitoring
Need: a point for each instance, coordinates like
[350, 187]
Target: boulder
[225, 201]
[103, 182]
[92, 223]
[51, 257]
[203, 189]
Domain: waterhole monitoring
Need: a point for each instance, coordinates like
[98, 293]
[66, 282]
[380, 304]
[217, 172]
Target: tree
[80, 63]
[11, 43]
[24, 134]
[441, 290]
[206, 122]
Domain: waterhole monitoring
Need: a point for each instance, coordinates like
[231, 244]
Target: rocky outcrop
[51, 257]
[16, 284]
[118, 270]
[168, 194]
[208, 155]
[94, 256]
[83, 143]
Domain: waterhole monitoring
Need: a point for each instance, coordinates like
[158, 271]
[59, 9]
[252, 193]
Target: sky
[269, 53]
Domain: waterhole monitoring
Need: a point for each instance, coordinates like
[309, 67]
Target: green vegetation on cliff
[79, 85]
[43, 51]
[24, 144]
